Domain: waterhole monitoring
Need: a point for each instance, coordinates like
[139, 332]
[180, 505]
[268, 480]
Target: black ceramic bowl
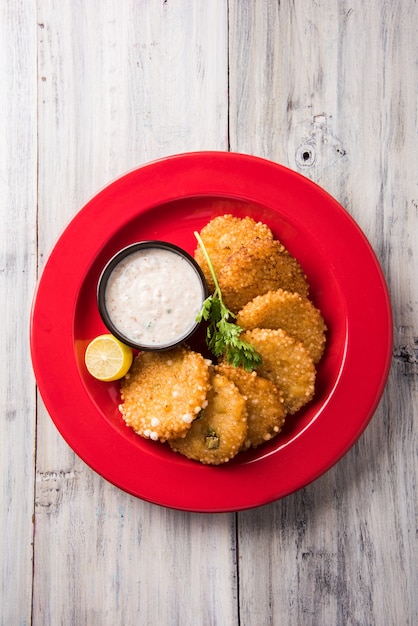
[149, 295]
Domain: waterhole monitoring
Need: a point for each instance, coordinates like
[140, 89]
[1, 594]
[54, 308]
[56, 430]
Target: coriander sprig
[222, 335]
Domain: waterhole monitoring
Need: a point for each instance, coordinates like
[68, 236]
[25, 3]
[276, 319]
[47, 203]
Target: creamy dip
[153, 297]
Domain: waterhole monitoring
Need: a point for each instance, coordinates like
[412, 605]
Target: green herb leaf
[222, 335]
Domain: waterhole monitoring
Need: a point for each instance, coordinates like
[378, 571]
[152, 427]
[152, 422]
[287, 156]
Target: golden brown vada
[164, 392]
[256, 268]
[219, 432]
[286, 363]
[290, 311]
[265, 405]
[222, 236]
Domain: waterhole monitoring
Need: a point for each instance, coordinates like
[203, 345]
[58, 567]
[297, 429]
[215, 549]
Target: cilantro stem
[217, 292]
[223, 336]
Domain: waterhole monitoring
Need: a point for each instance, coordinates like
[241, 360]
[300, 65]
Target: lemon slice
[107, 358]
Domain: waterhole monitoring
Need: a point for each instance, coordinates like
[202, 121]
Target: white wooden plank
[17, 280]
[114, 89]
[339, 82]
[120, 84]
[125, 83]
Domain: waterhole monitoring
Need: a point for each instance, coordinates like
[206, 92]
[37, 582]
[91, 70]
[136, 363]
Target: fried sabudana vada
[222, 236]
[219, 432]
[286, 363]
[265, 404]
[164, 392]
[290, 311]
[256, 268]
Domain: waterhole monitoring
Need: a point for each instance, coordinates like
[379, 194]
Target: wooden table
[91, 89]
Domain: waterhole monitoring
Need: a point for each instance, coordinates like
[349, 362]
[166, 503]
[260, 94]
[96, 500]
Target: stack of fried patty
[210, 412]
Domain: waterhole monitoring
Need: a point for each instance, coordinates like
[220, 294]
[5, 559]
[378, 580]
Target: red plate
[167, 200]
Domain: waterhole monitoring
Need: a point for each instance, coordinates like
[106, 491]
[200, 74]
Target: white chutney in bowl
[149, 295]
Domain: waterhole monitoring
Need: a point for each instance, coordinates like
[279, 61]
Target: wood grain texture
[17, 281]
[330, 91]
[94, 89]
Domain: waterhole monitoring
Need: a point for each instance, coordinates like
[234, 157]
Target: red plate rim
[276, 471]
